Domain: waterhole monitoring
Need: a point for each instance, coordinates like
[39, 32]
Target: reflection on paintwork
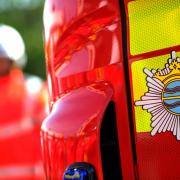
[78, 137]
[73, 52]
[86, 73]
[83, 95]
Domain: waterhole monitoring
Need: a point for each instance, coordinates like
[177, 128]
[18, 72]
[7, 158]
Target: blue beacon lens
[75, 174]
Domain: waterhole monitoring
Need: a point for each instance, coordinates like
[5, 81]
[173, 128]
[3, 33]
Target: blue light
[75, 174]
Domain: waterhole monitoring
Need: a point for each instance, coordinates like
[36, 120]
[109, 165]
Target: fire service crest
[162, 99]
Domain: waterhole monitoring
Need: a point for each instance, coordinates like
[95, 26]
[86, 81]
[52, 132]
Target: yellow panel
[153, 25]
[142, 117]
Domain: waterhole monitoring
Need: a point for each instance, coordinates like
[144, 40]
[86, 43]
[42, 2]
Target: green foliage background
[30, 25]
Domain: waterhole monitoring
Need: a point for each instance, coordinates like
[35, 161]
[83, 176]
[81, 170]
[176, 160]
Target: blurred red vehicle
[113, 72]
[21, 114]
[22, 108]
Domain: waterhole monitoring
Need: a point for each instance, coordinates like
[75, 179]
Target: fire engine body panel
[154, 49]
[99, 56]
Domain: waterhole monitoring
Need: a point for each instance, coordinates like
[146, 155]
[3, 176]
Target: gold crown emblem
[171, 70]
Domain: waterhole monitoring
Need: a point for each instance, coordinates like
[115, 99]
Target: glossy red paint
[80, 106]
[77, 128]
[85, 73]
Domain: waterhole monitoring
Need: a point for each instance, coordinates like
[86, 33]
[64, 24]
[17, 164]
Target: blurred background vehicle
[23, 95]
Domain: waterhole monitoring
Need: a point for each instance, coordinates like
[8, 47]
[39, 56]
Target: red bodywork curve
[85, 71]
[74, 125]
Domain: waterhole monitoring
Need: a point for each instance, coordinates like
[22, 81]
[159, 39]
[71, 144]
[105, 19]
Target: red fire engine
[113, 70]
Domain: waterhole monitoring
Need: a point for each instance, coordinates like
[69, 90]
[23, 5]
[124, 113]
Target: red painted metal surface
[158, 158]
[73, 135]
[85, 69]
[85, 72]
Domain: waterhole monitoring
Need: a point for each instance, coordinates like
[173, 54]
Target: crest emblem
[163, 97]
